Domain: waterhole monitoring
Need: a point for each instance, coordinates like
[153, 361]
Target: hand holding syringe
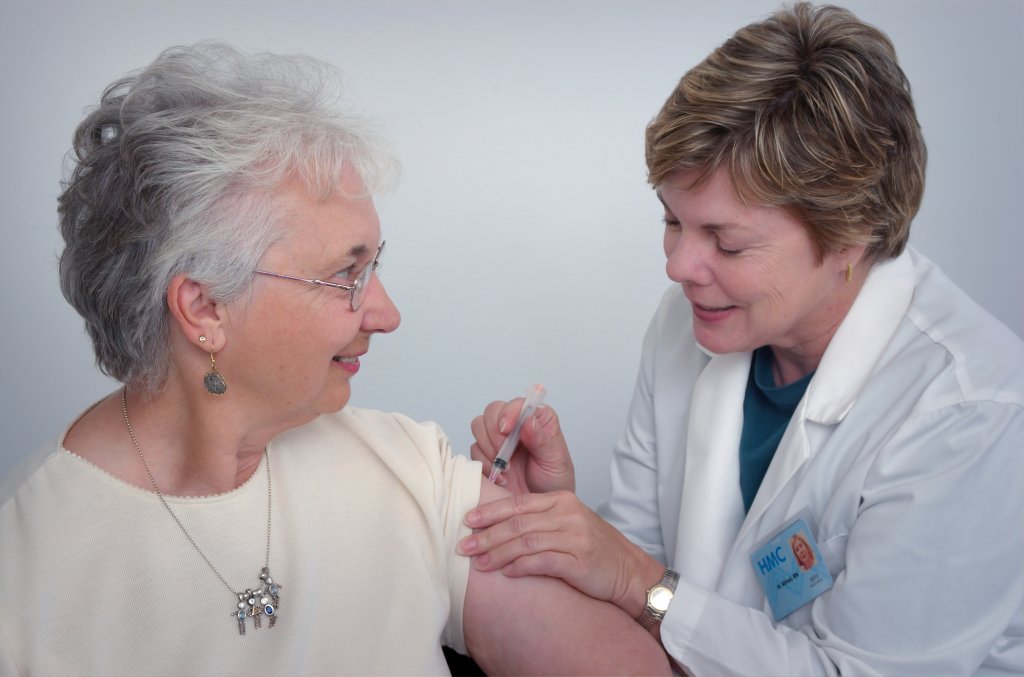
[534, 398]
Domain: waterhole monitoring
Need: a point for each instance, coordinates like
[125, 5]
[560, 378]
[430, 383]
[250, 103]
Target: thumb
[542, 436]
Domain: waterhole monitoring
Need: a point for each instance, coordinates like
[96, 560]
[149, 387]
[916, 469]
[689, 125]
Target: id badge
[791, 568]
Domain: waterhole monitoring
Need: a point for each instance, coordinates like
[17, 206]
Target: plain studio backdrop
[523, 242]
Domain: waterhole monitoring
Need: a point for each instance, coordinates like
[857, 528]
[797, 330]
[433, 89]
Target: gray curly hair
[173, 174]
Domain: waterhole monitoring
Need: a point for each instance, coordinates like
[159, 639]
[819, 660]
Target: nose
[380, 314]
[686, 260]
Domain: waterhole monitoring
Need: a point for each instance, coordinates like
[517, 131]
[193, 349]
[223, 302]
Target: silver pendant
[215, 383]
[258, 603]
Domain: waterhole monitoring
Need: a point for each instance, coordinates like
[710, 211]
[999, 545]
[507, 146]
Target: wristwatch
[658, 598]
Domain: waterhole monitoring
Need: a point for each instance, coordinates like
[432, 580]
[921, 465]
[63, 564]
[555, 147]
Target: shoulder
[980, 358]
[370, 426]
[417, 454]
[28, 471]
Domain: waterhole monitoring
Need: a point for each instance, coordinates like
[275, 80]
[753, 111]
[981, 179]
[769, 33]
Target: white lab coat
[908, 451]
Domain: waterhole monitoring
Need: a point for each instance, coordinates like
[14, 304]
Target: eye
[727, 252]
[671, 223]
[350, 274]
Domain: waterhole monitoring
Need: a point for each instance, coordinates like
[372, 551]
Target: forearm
[543, 625]
[538, 625]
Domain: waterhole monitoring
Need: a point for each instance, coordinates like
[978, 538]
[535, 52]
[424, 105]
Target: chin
[334, 401]
[715, 344]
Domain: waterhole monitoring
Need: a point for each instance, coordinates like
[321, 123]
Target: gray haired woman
[225, 512]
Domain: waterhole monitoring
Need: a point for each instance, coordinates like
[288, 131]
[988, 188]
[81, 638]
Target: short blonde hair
[807, 110]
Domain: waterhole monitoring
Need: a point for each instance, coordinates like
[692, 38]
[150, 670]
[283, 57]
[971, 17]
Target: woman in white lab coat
[809, 373]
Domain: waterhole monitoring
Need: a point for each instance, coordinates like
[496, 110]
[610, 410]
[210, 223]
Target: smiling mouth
[348, 360]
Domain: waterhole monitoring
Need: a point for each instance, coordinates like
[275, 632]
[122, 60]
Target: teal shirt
[766, 413]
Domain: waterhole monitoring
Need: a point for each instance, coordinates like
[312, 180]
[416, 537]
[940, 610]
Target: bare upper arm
[540, 625]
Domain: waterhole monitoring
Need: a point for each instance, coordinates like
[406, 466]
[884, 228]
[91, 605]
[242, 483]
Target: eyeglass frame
[362, 282]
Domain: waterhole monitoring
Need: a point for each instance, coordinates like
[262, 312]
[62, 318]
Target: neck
[193, 446]
[794, 360]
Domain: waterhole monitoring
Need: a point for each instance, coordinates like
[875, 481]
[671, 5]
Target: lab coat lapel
[851, 357]
[711, 508]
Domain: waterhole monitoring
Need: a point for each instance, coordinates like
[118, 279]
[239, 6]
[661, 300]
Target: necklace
[253, 602]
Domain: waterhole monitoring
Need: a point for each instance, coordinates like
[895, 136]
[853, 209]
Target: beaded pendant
[258, 603]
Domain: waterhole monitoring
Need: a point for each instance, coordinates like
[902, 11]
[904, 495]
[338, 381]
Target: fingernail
[481, 561]
[467, 545]
[501, 481]
[502, 426]
[472, 518]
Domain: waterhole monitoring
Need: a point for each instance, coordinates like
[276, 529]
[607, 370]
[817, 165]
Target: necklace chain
[266, 562]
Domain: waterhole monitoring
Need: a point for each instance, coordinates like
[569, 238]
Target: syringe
[534, 397]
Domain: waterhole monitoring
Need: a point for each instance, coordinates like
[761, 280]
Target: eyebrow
[358, 250]
[354, 253]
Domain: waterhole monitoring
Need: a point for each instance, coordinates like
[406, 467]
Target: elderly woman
[224, 512]
[808, 372]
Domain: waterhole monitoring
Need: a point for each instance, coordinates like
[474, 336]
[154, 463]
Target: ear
[853, 256]
[195, 313]
[856, 254]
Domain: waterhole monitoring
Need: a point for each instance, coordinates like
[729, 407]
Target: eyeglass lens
[363, 282]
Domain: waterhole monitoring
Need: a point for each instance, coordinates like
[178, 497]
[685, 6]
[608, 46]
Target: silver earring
[214, 382]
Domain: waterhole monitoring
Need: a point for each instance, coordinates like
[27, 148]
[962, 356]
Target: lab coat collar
[851, 357]
[711, 510]
[858, 344]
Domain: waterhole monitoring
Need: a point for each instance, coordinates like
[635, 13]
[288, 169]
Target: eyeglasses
[356, 290]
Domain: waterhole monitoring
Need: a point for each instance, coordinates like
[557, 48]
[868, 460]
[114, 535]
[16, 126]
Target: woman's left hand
[555, 534]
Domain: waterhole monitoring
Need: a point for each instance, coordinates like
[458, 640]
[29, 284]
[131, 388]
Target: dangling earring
[849, 271]
[214, 382]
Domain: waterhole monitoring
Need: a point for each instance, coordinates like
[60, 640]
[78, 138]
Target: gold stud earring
[849, 271]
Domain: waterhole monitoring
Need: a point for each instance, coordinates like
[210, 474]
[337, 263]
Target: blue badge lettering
[771, 560]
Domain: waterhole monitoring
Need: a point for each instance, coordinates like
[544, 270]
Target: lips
[711, 313]
[349, 364]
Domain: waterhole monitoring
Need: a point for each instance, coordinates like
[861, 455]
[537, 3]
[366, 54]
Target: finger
[485, 427]
[519, 534]
[547, 421]
[488, 514]
[535, 432]
[477, 454]
[507, 415]
[546, 563]
[480, 442]
[533, 544]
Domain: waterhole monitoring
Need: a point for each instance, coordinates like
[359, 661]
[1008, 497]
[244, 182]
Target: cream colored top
[97, 579]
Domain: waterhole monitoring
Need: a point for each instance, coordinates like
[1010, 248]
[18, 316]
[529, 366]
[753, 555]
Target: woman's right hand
[541, 460]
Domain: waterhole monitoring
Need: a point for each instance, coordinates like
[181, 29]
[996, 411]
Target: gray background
[523, 242]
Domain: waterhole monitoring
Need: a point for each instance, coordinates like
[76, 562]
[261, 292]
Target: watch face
[660, 598]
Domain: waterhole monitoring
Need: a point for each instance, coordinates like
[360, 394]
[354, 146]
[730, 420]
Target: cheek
[767, 285]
